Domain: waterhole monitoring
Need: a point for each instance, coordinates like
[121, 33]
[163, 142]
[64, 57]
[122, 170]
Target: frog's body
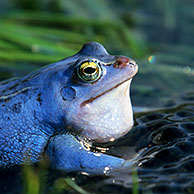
[54, 109]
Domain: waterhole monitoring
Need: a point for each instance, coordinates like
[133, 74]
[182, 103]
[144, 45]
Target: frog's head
[91, 93]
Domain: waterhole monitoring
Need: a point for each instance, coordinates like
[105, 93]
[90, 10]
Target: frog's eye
[89, 71]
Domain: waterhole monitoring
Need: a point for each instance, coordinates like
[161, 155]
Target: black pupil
[89, 70]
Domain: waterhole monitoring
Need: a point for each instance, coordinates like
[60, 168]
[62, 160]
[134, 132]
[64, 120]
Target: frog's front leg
[67, 153]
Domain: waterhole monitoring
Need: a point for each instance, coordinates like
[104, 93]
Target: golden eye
[89, 71]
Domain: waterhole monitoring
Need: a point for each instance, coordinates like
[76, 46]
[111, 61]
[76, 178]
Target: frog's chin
[109, 116]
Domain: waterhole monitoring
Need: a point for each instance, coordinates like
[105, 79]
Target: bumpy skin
[52, 111]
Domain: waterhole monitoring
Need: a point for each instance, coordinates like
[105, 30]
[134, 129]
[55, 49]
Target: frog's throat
[84, 103]
[108, 117]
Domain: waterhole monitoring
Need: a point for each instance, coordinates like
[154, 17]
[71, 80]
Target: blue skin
[53, 111]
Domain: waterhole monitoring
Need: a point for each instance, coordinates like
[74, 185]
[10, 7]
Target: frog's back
[21, 135]
[7, 84]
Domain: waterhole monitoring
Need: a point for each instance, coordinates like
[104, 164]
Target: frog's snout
[122, 62]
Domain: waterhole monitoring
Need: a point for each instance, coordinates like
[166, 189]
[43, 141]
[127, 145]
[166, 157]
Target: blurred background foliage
[158, 34]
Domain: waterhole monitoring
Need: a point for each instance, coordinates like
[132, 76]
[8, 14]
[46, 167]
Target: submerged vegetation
[35, 179]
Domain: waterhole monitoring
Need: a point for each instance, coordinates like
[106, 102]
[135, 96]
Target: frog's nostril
[132, 63]
[123, 62]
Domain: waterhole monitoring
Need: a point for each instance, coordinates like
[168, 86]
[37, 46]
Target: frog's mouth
[84, 103]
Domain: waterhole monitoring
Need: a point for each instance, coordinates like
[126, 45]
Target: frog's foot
[67, 153]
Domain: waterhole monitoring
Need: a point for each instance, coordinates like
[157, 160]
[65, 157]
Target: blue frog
[62, 108]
